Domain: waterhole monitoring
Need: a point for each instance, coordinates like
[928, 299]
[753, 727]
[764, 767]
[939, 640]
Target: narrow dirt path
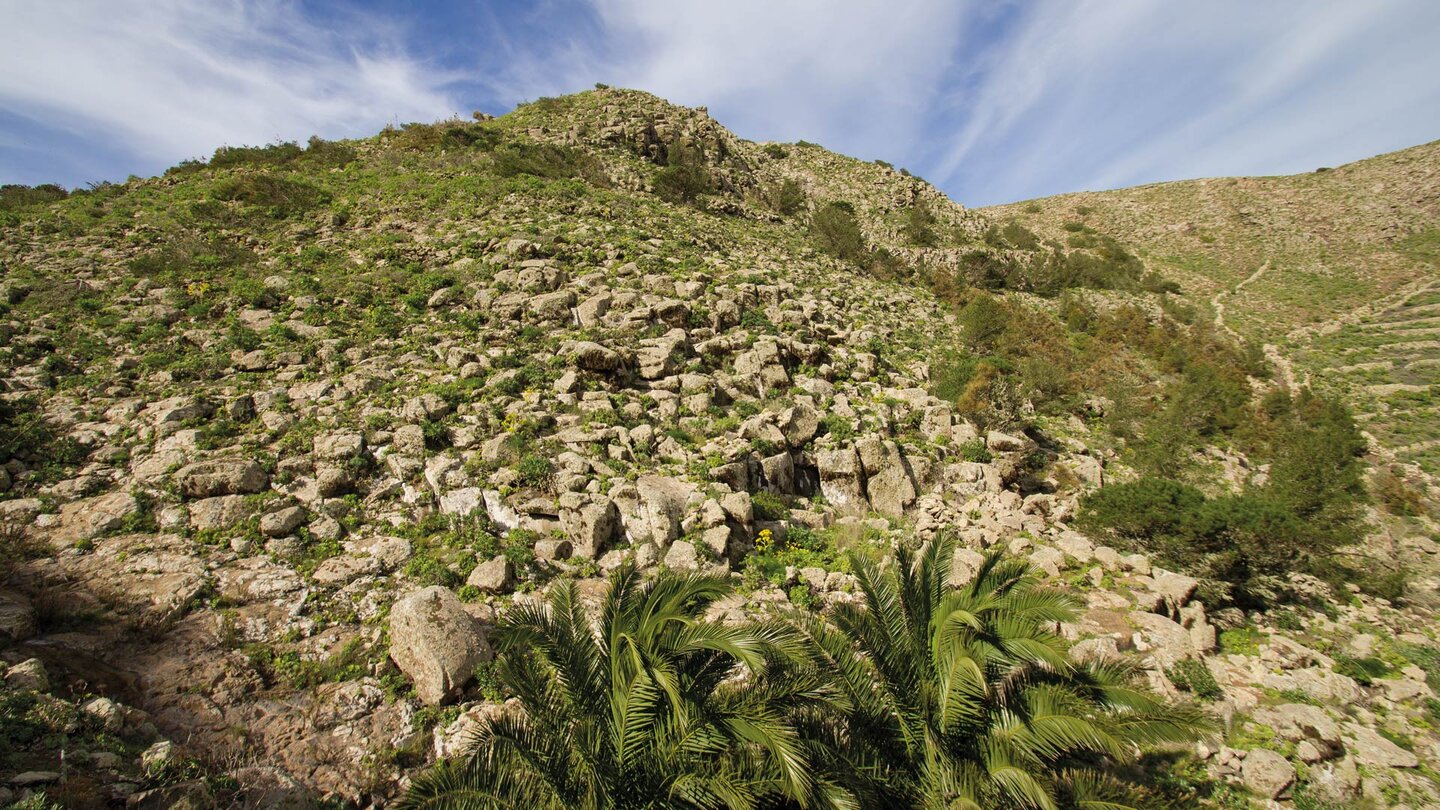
[1218, 303]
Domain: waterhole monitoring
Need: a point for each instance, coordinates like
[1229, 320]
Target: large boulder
[662, 505]
[889, 480]
[207, 479]
[590, 524]
[763, 367]
[1369, 748]
[17, 617]
[841, 481]
[436, 643]
[1266, 773]
[594, 357]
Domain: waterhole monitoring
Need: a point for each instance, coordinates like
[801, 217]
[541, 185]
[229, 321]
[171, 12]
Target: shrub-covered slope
[286, 434]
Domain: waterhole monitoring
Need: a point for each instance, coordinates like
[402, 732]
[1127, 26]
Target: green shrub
[277, 196]
[919, 226]
[769, 506]
[1191, 675]
[685, 178]
[1365, 670]
[789, 198]
[975, 450]
[548, 161]
[836, 231]
[13, 196]
[840, 427]
[536, 471]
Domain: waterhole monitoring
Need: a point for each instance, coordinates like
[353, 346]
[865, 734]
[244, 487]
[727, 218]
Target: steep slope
[1334, 268]
[285, 430]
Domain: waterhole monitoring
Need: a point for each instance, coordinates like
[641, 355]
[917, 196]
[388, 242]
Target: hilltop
[287, 432]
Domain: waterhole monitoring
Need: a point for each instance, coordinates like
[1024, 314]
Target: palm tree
[966, 698]
[647, 705]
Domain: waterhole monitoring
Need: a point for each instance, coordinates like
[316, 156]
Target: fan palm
[646, 705]
[966, 698]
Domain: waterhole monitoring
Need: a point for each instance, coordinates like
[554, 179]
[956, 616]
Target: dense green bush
[14, 196]
[836, 231]
[919, 226]
[548, 161]
[278, 196]
[1242, 545]
[685, 177]
[789, 199]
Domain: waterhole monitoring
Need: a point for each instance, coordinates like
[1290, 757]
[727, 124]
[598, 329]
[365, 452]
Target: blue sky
[991, 101]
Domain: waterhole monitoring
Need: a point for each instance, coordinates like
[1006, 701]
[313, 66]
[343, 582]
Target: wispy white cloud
[171, 79]
[1106, 94]
[857, 75]
[993, 101]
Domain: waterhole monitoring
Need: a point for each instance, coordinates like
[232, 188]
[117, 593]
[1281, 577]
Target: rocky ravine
[285, 566]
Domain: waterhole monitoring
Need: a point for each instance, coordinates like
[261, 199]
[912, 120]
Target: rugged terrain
[269, 418]
[1338, 269]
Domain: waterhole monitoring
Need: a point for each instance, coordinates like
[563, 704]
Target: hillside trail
[1283, 367]
[1217, 301]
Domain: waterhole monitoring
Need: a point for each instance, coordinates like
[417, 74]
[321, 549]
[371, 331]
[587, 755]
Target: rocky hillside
[1337, 269]
[285, 431]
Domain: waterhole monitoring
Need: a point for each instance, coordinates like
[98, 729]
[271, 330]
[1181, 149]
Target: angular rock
[594, 357]
[496, 575]
[206, 479]
[435, 642]
[283, 522]
[841, 481]
[591, 526]
[1266, 773]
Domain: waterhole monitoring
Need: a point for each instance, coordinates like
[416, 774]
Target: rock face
[207, 479]
[436, 643]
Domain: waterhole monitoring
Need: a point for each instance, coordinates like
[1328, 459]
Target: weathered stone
[1003, 442]
[17, 617]
[282, 522]
[594, 357]
[762, 367]
[591, 526]
[91, 517]
[334, 480]
[1369, 748]
[799, 424]
[889, 480]
[553, 548]
[222, 512]
[682, 556]
[207, 479]
[841, 480]
[1266, 773]
[662, 502]
[339, 446]
[28, 674]
[435, 642]
[495, 575]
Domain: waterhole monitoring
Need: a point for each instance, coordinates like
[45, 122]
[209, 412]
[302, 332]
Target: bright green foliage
[636, 707]
[1194, 677]
[919, 226]
[967, 698]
